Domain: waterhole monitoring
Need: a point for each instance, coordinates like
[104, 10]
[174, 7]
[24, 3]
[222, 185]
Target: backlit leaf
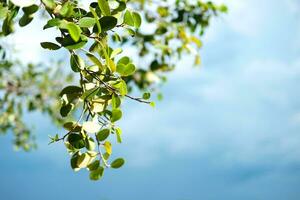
[104, 7]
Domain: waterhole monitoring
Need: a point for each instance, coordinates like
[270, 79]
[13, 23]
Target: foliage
[95, 35]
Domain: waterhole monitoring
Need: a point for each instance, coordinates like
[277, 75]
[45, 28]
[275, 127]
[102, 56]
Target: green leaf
[90, 143]
[131, 32]
[111, 64]
[66, 109]
[115, 101]
[116, 114]
[96, 17]
[94, 165]
[146, 95]
[71, 90]
[77, 45]
[115, 52]
[104, 7]
[76, 140]
[123, 88]
[89, 94]
[30, 9]
[49, 4]
[125, 60]
[69, 43]
[159, 96]
[95, 60]
[103, 134]
[128, 18]
[72, 126]
[67, 9]
[87, 22]
[152, 104]
[7, 26]
[52, 23]
[119, 135]
[122, 6]
[137, 19]
[25, 20]
[96, 174]
[108, 23]
[223, 8]
[106, 156]
[77, 63]
[3, 12]
[126, 70]
[117, 163]
[84, 160]
[74, 159]
[50, 46]
[74, 31]
[54, 139]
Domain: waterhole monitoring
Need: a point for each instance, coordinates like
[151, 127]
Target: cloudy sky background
[230, 130]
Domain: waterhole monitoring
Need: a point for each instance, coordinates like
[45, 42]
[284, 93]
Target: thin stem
[114, 90]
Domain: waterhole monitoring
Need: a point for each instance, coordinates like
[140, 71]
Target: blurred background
[230, 130]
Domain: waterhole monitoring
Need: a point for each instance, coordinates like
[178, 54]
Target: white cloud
[232, 115]
[293, 5]
[245, 17]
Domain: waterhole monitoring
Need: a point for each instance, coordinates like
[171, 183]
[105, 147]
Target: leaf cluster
[96, 36]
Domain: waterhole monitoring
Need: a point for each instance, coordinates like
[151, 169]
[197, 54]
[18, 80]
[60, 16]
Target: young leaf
[97, 21]
[116, 114]
[87, 22]
[128, 18]
[66, 10]
[115, 101]
[115, 52]
[49, 4]
[104, 7]
[74, 31]
[52, 23]
[137, 19]
[119, 135]
[95, 60]
[107, 146]
[126, 70]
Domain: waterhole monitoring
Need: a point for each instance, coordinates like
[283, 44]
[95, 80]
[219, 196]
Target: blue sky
[230, 130]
